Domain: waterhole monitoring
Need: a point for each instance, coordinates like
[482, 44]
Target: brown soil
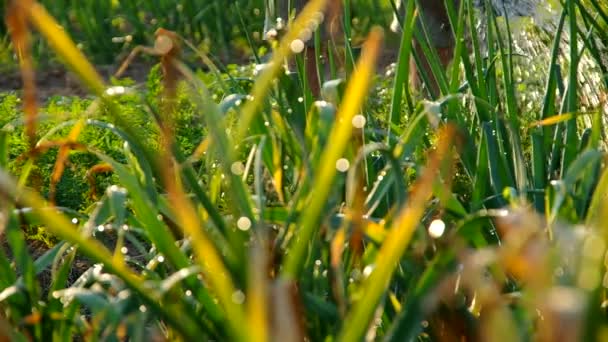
[37, 248]
[57, 81]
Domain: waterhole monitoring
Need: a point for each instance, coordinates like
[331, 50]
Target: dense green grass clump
[243, 209]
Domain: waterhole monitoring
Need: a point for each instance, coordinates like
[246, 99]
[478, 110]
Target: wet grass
[238, 207]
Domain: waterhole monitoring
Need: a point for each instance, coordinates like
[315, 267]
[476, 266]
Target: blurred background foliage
[505, 241]
[105, 28]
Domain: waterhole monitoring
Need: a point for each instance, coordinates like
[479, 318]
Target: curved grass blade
[263, 84]
[339, 138]
[61, 227]
[396, 242]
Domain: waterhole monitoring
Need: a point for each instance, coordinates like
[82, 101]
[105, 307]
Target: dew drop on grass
[101, 228]
[74, 220]
[124, 250]
[160, 258]
[117, 90]
[342, 164]
[436, 228]
[297, 46]
[300, 99]
[188, 293]
[321, 104]
[238, 297]
[143, 308]
[243, 223]
[359, 121]
[368, 270]
[237, 168]
[306, 35]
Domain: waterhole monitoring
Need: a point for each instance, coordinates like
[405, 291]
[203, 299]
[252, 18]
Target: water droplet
[437, 228]
[271, 34]
[368, 270]
[101, 228]
[124, 250]
[359, 121]
[124, 294]
[342, 164]
[74, 220]
[297, 46]
[306, 34]
[160, 258]
[237, 168]
[143, 308]
[238, 297]
[243, 223]
[118, 90]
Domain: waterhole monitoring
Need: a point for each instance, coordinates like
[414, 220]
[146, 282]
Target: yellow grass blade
[262, 85]
[339, 138]
[396, 243]
[257, 294]
[63, 45]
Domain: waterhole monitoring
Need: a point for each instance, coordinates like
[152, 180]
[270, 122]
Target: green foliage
[463, 216]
